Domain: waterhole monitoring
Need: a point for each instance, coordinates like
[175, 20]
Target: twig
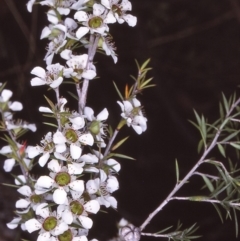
[191, 30]
[93, 43]
[11, 5]
[190, 173]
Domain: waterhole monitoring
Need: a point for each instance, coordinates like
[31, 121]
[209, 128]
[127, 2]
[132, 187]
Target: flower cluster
[82, 173]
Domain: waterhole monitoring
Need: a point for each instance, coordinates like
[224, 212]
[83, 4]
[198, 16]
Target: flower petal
[22, 203]
[86, 222]
[43, 159]
[77, 186]
[59, 196]
[45, 182]
[86, 139]
[75, 151]
[25, 190]
[81, 32]
[8, 164]
[43, 210]
[92, 206]
[16, 106]
[32, 225]
[103, 115]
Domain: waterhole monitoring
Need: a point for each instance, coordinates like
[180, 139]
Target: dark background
[194, 48]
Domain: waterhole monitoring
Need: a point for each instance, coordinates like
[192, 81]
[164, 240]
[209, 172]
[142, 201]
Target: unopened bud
[130, 233]
[94, 128]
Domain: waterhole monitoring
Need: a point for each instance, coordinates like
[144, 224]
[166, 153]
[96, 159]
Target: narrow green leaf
[230, 136]
[235, 145]
[208, 183]
[200, 146]
[163, 230]
[236, 222]
[145, 64]
[10, 185]
[119, 93]
[50, 103]
[221, 149]
[73, 95]
[122, 156]
[119, 143]
[225, 103]
[218, 211]
[203, 128]
[50, 124]
[177, 170]
[198, 118]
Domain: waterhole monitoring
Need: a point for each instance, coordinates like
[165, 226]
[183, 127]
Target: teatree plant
[81, 153]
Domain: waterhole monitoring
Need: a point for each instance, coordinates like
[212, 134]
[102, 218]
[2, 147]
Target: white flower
[52, 77]
[97, 127]
[49, 224]
[77, 209]
[11, 124]
[95, 23]
[78, 68]
[133, 115]
[62, 181]
[5, 96]
[57, 42]
[103, 186]
[47, 147]
[31, 198]
[119, 11]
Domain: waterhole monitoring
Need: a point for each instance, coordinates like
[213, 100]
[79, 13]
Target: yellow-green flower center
[76, 207]
[95, 22]
[66, 236]
[50, 223]
[71, 135]
[36, 198]
[62, 178]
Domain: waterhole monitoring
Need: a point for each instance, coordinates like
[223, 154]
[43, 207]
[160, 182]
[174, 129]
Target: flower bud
[94, 127]
[130, 233]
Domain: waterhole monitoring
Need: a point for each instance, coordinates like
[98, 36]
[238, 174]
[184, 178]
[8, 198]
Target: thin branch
[11, 5]
[190, 173]
[191, 30]
[93, 44]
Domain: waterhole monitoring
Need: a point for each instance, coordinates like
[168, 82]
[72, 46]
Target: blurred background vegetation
[194, 48]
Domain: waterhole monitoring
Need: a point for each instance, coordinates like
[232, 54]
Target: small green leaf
[235, 145]
[50, 124]
[122, 156]
[145, 64]
[230, 136]
[225, 103]
[119, 143]
[208, 183]
[221, 149]
[73, 95]
[50, 103]
[177, 170]
[236, 222]
[218, 211]
[119, 93]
